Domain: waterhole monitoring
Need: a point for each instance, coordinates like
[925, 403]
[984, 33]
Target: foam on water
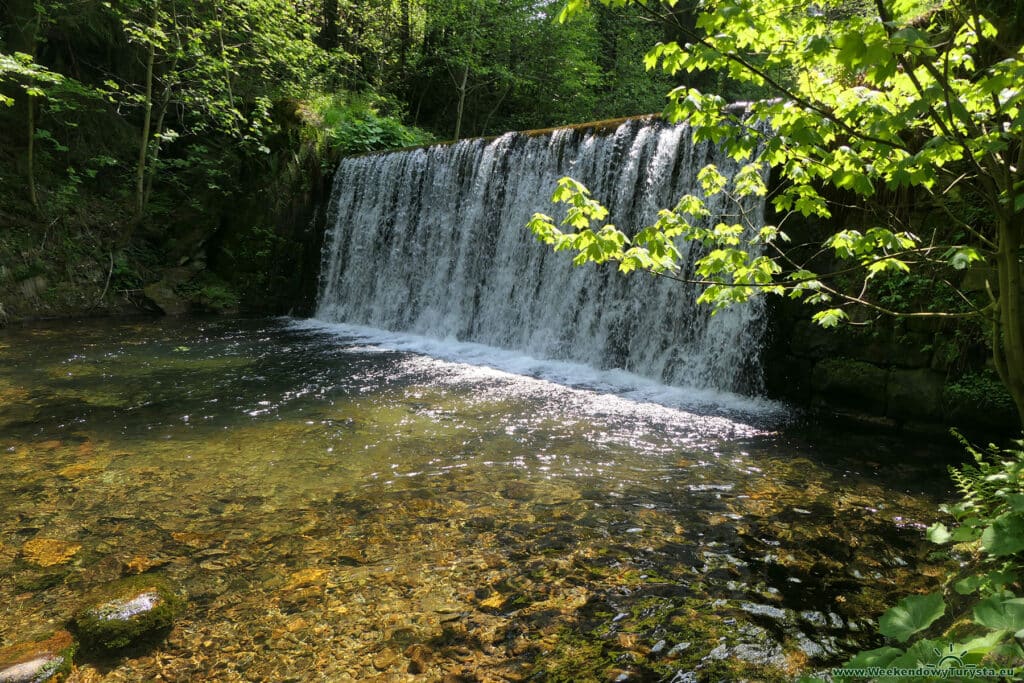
[610, 391]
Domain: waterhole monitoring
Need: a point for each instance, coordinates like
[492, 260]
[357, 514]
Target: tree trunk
[1008, 344]
[462, 102]
[155, 157]
[140, 170]
[224, 57]
[494, 110]
[33, 197]
[33, 36]
[329, 37]
[404, 37]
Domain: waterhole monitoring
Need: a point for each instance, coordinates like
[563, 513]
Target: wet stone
[39, 581]
[37, 662]
[764, 654]
[517, 490]
[419, 656]
[384, 659]
[127, 612]
[49, 552]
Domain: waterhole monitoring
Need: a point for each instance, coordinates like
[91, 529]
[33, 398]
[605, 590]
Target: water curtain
[433, 241]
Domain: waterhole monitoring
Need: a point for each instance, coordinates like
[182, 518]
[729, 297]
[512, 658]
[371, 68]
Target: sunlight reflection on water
[310, 488]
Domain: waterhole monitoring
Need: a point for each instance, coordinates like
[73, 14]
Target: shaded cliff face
[433, 242]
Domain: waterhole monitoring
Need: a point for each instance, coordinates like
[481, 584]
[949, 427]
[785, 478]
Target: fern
[987, 485]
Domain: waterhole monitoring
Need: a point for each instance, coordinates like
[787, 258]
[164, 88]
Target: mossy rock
[845, 383]
[41, 661]
[162, 295]
[126, 613]
[979, 399]
[915, 394]
[35, 581]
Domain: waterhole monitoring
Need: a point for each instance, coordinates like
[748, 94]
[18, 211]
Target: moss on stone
[127, 612]
[41, 661]
[40, 580]
[851, 384]
[603, 127]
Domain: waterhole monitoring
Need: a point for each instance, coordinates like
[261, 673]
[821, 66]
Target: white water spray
[434, 242]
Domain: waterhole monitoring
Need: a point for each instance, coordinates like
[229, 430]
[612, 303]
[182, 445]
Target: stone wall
[889, 373]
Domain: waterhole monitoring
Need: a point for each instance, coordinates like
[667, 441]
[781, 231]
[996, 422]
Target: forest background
[157, 149]
[163, 155]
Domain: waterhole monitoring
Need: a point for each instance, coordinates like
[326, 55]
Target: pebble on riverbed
[44, 661]
[128, 612]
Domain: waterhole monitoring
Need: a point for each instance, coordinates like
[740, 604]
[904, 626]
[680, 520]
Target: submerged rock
[34, 581]
[49, 552]
[127, 612]
[44, 661]
[419, 656]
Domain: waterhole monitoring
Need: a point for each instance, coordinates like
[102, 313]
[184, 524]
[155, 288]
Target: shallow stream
[338, 506]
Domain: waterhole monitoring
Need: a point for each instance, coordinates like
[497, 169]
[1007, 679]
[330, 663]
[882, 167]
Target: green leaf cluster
[856, 101]
[990, 525]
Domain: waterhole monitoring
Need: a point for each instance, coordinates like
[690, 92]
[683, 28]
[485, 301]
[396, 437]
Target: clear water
[339, 506]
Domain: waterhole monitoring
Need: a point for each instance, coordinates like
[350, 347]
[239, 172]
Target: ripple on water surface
[339, 505]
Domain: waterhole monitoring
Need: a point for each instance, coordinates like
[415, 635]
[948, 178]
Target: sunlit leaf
[1005, 536]
[997, 612]
[911, 615]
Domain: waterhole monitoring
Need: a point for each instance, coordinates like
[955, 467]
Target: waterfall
[433, 241]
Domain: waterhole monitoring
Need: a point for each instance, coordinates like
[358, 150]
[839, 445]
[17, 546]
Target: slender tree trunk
[404, 36]
[224, 57]
[32, 195]
[1008, 352]
[140, 170]
[155, 157]
[329, 38]
[462, 102]
[494, 110]
[32, 36]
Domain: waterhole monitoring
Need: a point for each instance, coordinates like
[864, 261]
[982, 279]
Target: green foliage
[912, 615]
[917, 291]
[866, 100]
[20, 70]
[350, 124]
[209, 293]
[218, 297]
[496, 65]
[124, 275]
[982, 389]
[990, 524]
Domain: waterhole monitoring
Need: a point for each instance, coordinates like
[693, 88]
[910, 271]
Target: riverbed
[344, 505]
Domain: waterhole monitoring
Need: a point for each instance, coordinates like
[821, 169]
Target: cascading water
[433, 242]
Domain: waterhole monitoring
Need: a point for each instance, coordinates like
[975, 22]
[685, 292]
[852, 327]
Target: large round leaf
[1005, 536]
[1000, 613]
[912, 614]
